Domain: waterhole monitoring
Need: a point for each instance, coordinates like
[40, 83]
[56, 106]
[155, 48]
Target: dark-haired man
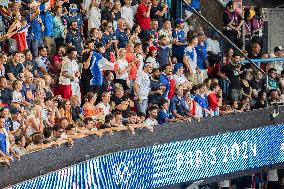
[14, 69]
[232, 72]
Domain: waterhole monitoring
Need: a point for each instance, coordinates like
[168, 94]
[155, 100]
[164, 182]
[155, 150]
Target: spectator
[14, 69]
[104, 105]
[151, 57]
[106, 13]
[42, 61]
[76, 110]
[179, 41]
[215, 99]
[257, 85]
[6, 93]
[232, 72]
[167, 32]
[164, 115]
[120, 34]
[74, 38]
[127, 13]
[167, 81]
[152, 116]
[278, 65]
[157, 12]
[143, 15]
[47, 20]
[178, 106]
[272, 80]
[28, 90]
[261, 101]
[246, 87]
[142, 87]
[157, 89]
[190, 60]
[59, 27]
[164, 52]
[202, 61]
[30, 63]
[233, 23]
[123, 69]
[180, 78]
[202, 100]
[68, 80]
[109, 121]
[89, 108]
[121, 102]
[17, 95]
[4, 142]
[108, 83]
[116, 12]
[56, 63]
[34, 37]
[94, 15]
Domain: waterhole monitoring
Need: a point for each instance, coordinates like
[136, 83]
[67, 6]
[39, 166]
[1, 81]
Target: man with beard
[74, 38]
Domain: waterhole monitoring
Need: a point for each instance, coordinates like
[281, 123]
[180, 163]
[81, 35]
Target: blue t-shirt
[194, 4]
[179, 104]
[122, 38]
[34, 31]
[178, 50]
[201, 51]
[3, 143]
[75, 39]
[47, 19]
[163, 115]
[165, 82]
[203, 102]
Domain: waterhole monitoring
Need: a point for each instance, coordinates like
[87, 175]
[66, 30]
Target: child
[164, 115]
[17, 95]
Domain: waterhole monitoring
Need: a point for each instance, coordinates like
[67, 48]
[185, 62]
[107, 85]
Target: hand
[166, 6]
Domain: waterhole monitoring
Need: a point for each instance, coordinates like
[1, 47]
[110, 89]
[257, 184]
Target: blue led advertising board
[171, 163]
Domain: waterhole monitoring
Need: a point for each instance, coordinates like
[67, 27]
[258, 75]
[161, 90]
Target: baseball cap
[73, 8]
[278, 48]
[152, 48]
[180, 21]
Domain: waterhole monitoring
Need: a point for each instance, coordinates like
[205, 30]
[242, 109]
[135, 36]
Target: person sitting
[152, 116]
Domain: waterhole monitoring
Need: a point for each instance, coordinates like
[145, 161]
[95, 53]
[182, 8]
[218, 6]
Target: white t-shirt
[141, 63]
[17, 96]
[190, 52]
[278, 65]
[122, 64]
[179, 79]
[151, 122]
[143, 80]
[213, 46]
[71, 67]
[94, 18]
[105, 108]
[153, 61]
[128, 15]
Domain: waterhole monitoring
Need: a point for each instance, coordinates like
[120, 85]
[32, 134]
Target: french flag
[97, 66]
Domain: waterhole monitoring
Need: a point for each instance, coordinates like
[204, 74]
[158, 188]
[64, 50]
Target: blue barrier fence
[262, 60]
[171, 163]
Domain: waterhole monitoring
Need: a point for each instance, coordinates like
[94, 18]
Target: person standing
[69, 76]
[179, 40]
[143, 17]
[142, 87]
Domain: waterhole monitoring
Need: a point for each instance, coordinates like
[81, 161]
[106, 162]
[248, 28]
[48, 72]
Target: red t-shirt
[213, 101]
[143, 22]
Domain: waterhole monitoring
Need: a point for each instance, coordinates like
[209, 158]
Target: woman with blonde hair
[123, 69]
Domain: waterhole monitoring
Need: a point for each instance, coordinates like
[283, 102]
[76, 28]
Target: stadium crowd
[69, 69]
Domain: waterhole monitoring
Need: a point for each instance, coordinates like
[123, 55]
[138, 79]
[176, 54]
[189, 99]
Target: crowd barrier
[172, 154]
[262, 60]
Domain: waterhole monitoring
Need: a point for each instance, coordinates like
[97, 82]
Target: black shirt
[155, 85]
[6, 96]
[153, 15]
[232, 73]
[107, 15]
[118, 101]
[14, 69]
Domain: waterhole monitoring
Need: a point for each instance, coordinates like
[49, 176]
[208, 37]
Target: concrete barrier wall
[51, 159]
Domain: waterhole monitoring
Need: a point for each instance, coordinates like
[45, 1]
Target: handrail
[228, 40]
[262, 60]
[221, 2]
